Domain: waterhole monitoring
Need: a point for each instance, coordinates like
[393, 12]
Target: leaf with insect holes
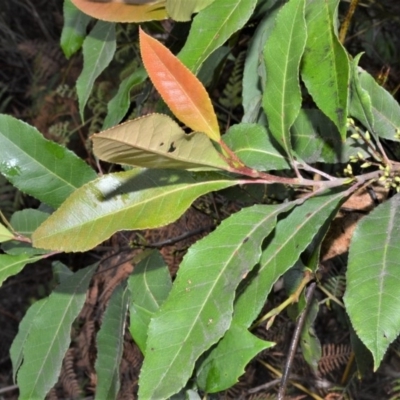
[120, 12]
[178, 86]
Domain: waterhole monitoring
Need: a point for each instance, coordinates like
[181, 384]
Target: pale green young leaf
[212, 27]
[25, 326]
[372, 278]
[282, 55]
[5, 234]
[98, 51]
[199, 308]
[119, 104]
[325, 65]
[49, 336]
[235, 351]
[377, 109]
[12, 264]
[136, 199]
[251, 144]
[110, 344]
[157, 141]
[31, 163]
[74, 29]
[182, 10]
[150, 284]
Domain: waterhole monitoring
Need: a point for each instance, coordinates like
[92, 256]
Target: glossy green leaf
[31, 163]
[25, 326]
[98, 51]
[182, 10]
[212, 27]
[157, 141]
[49, 336]
[5, 234]
[136, 199]
[315, 138]
[25, 222]
[150, 284]
[110, 344]
[74, 29]
[60, 271]
[119, 104]
[199, 308]
[235, 351]
[372, 278]
[290, 238]
[12, 264]
[251, 144]
[325, 66]
[282, 54]
[374, 106]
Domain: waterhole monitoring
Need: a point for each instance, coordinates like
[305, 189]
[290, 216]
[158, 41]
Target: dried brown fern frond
[334, 356]
[68, 377]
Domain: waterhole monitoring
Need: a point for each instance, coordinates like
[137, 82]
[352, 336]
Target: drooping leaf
[235, 351]
[120, 12]
[98, 51]
[110, 344]
[49, 336]
[5, 234]
[199, 308]
[31, 163]
[325, 66]
[282, 54]
[60, 271]
[372, 291]
[251, 144]
[182, 10]
[150, 284]
[181, 90]
[25, 222]
[25, 326]
[136, 199]
[314, 138]
[157, 141]
[10, 265]
[119, 104]
[374, 106]
[74, 29]
[289, 239]
[212, 27]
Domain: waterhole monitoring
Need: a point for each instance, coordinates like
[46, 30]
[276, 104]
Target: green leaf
[212, 27]
[182, 10]
[150, 284]
[157, 141]
[199, 308]
[235, 351]
[110, 344]
[5, 234]
[136, 199]
[251, 144]
[60, 271]
[74, 29]
[49, 336]
[374, 107]
[372, 278]
[315, 139]
[10, 265]
[119, 104]
[325, 67]
[282, 54]
[25, 222]
[98, 51]
[31, 163]
[25, 326]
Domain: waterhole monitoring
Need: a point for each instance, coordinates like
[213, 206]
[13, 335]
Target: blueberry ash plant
[316, 129]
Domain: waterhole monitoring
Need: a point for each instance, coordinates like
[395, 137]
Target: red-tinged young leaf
[120, 12]
[181, 90]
